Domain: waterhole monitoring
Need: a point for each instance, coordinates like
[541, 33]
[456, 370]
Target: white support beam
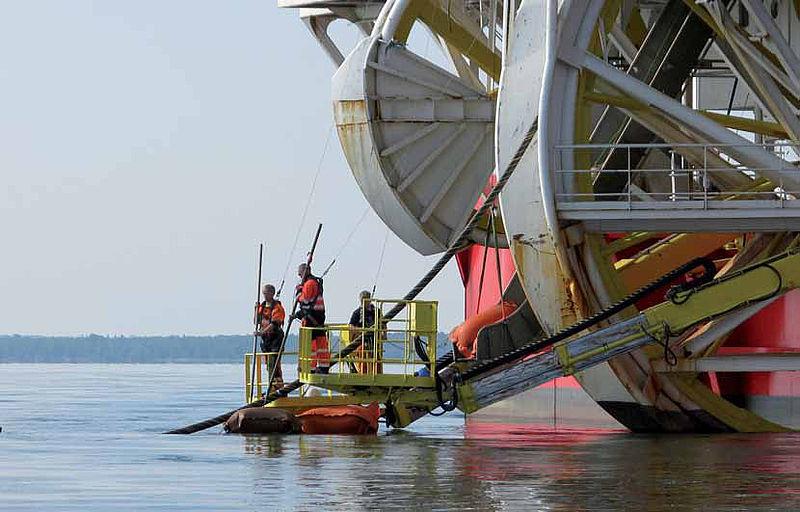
[736, 38]
[684, 216]
[739, 148]
[699, 342]
[787, 56]
[757, 362]
[623, 43]
[654, 121]
[762, 72]
[318, 25]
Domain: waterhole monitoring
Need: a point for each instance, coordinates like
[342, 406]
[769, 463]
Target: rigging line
[733, 95]
[493, 220]
[346, 241]
[305, 209]
[380, 262]
[483, 270]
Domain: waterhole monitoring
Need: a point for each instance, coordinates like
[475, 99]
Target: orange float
[465, 335]
[342, 419]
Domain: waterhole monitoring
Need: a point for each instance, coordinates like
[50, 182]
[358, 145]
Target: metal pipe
[257, 322]
[377, 26]
[543, 134]
[393, 18]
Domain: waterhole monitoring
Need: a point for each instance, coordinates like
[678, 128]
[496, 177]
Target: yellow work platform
[387, 358]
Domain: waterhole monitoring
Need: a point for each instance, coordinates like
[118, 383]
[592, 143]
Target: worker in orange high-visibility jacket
[311, 310]
[270, 316]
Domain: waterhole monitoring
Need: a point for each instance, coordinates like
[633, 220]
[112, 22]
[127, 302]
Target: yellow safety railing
[265, 362]
[387, 355]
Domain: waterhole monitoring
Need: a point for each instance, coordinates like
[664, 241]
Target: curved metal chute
[418, 139]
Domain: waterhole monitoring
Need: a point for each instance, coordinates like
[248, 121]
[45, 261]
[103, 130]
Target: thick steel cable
[459, 242]
[457, 245]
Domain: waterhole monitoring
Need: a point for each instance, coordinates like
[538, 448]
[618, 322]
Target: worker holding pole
[271, 314]
[293, 314]
[311, 310]
[361, 323]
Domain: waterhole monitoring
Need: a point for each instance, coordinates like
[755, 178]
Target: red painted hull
[773, 395]
[558, 404]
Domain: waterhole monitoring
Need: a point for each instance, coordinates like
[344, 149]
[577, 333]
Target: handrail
[387, 356]
[691, 175]
[255, 382]
[660, 145]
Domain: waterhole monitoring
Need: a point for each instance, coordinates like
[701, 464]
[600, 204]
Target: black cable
[670, 357]
[767, 296]
[696, 286]
[570, 331]
[450, 405]
[709, 270]
[733, 95]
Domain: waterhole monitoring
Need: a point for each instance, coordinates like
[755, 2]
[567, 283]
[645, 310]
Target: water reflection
[613, 470]
[399, 469]
[101, 455]
[499, 466]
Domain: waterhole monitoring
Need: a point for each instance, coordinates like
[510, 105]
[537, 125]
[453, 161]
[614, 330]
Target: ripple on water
[91, 442]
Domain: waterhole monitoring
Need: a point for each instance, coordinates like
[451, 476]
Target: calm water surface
[86, 437]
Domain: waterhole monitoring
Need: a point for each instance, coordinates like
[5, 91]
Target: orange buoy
[341, 419]
[465, 335]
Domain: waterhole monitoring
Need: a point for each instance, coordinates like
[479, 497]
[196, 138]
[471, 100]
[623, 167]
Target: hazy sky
[146, 147]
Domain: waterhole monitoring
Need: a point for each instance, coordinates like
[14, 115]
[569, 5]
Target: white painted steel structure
[658, 116]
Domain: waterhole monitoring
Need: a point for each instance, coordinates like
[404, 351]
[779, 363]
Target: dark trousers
[272, 343]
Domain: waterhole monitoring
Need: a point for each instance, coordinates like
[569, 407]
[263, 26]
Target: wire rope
[380, 262]
[346, 240]
[305, 209]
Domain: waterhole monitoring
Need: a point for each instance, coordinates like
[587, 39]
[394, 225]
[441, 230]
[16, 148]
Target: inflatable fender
[342, 419]
[465, 334]
[262, 420]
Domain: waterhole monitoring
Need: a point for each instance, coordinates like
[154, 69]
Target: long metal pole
[257, 322]
[294, 309]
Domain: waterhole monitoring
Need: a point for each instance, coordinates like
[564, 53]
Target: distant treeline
[118, 349]
[140, 349]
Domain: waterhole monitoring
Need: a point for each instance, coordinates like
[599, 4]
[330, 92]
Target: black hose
[676, 293]
[222, 418]
[281, 393]
[446, 406]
